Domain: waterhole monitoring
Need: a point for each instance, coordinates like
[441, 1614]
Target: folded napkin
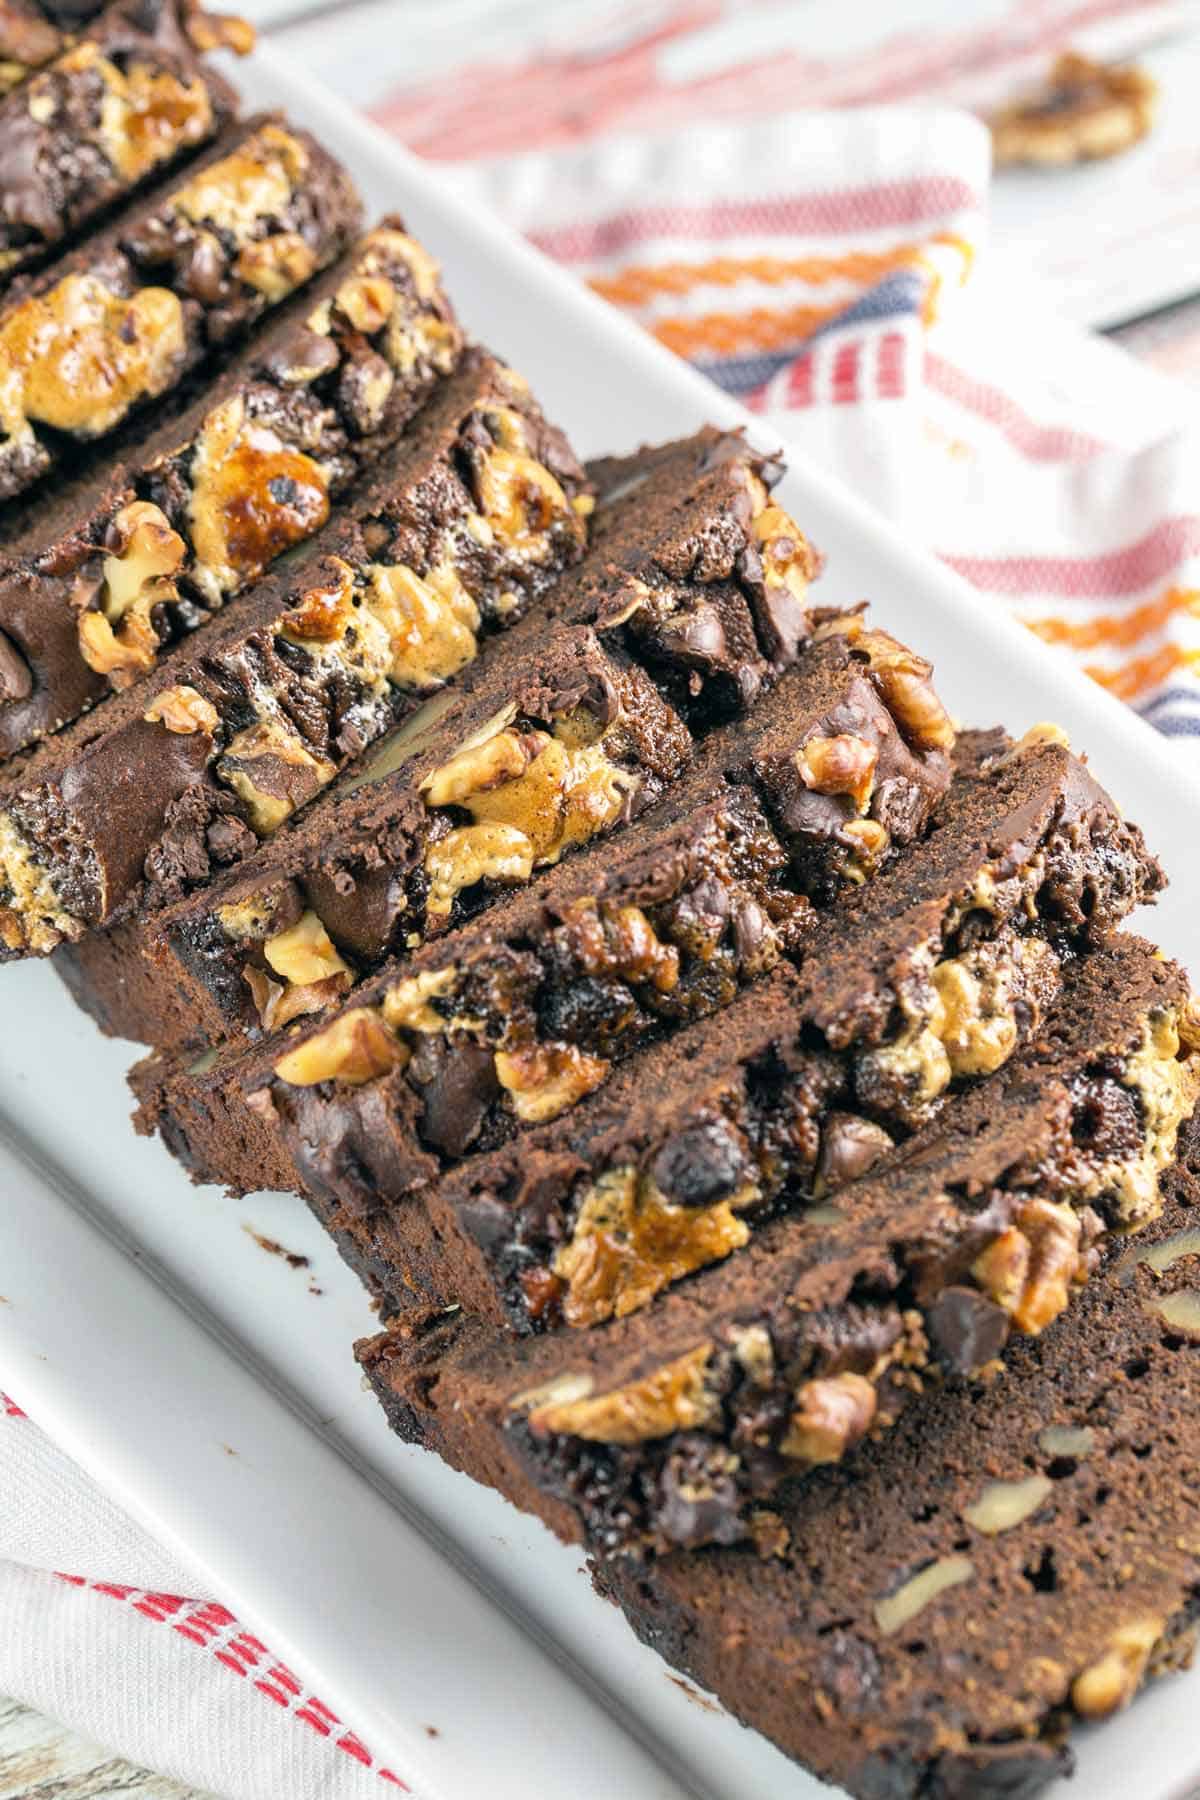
[831, 271]
[105, 1630]
[829, 268]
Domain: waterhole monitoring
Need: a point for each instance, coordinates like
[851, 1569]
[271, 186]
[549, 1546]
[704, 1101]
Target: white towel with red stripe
[829, 268]
[102, 1628]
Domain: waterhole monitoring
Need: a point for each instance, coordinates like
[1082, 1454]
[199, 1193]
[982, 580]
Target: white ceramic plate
[146, 1330]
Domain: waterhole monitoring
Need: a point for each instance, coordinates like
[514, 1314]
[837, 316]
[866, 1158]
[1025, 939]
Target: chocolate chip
[363, 390]
[696, 1505]
[16, 677]
[966, 1329]
[697, 638]
[458, 1097]
[488, 1221]
[229, 840]
[205, 270]
[1000, 1771]
[784, 622]
[591, 1011]
[359, 910]
[305, 357]
[750, 927]
[1105, 1119]
[848, 1673]
[701, 1164]
[849, 1147]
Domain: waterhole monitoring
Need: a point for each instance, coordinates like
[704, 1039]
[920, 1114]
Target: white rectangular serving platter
[146, 1330]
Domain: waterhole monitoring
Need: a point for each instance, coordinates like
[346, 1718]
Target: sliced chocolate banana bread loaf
[957, 944]
[241, 726]
[107, 568]
[113, 108]
[665, 1427]
[1011, 1562]
[200, 972]
[32, 36]
[709, 576]
[123, 319]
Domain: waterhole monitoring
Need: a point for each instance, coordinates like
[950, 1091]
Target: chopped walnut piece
[37, 920]
[1113, 1679]
[903, 680]
[977, 1040]
[1053, 1233]
[182, 710]
[629, 1242]
[1180, 1311]
[1002, 1269]
[1046, 732]
[1030, 1268]
[471, 854]
[252, 497]
[900, 1607]
[146, 113]
[559, 1391]
[260, 914]
[1163, 1076]
[532, 796]
[431, 622]
[1003, 1505]
[788, 559]
[78, 356]
[518, 495]
[367, 301]
[831, 1414]
[219, 31]
[278, 1003]
[620, 943]
[1161, 1255]
[543, 1080]
[1066, 1440]
[479, 766]
[272, 771]
[355, 1048]
[563, 796]
[322, 613]
[305, 952]
[755, 1354]
[870, 842]
[962, 1023]
[276, 265]
[406, 1003]
[254, 182]
[142, 555]
[1088, 110]
[768, 1533]
[844, 764]
[674, 1397]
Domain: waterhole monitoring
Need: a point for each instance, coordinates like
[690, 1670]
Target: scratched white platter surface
[149, 1333]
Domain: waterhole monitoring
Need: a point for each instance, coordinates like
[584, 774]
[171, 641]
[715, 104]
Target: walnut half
[355, 1048]
[118, 638]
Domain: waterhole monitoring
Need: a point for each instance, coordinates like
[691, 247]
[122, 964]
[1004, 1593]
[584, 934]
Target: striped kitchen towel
[830, 268]
[107, 1631]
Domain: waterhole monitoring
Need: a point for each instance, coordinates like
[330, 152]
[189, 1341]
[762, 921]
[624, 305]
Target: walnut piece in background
[1087, 110]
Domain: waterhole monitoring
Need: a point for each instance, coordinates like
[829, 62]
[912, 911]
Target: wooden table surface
[41, 1761]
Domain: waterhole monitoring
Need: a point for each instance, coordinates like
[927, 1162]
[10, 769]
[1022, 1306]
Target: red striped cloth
[830, 269]
[106, 1631]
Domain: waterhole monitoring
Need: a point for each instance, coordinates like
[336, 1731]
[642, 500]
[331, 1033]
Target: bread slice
[664, 1428]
